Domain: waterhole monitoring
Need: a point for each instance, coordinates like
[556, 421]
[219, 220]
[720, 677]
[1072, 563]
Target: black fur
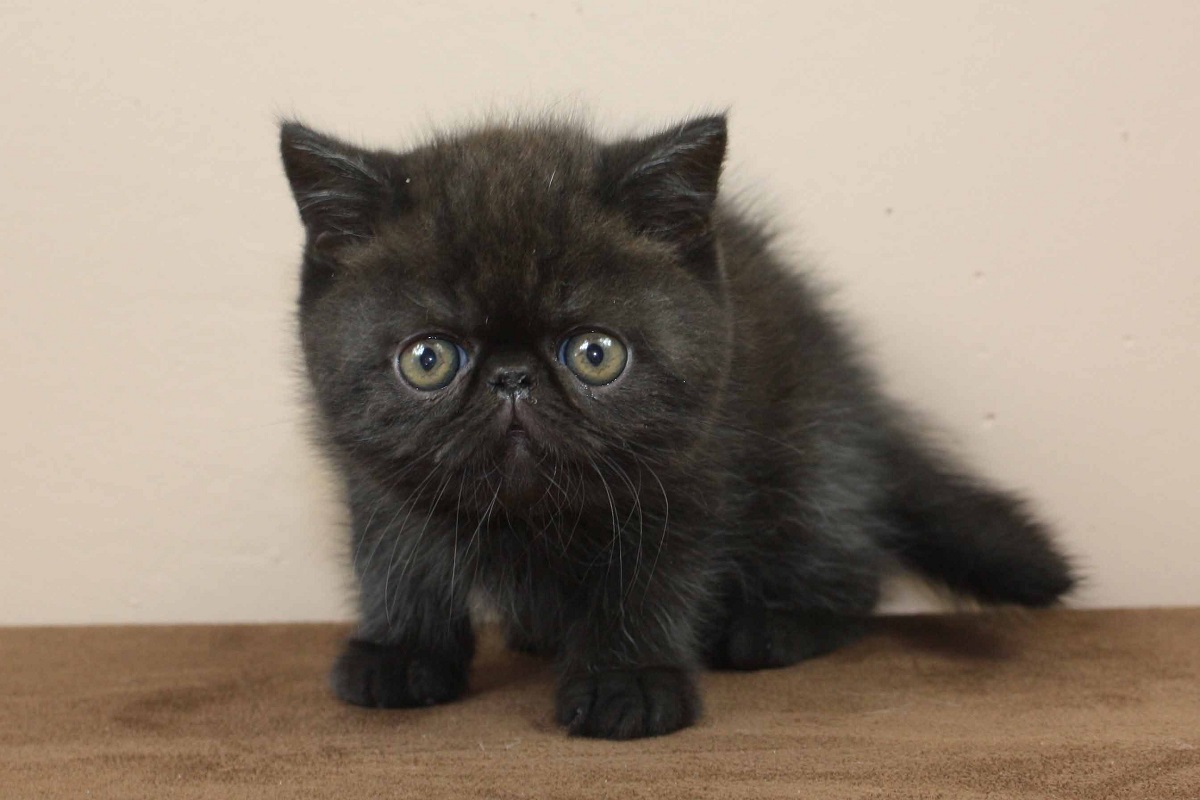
[731, 499]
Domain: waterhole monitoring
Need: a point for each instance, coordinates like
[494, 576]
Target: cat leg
[414, 642]
[629, 659]
[521, 641]
[808, 594]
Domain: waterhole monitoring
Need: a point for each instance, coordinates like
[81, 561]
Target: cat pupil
[427, 357]
[595, 354]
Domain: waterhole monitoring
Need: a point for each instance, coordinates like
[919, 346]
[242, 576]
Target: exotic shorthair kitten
[562, 374]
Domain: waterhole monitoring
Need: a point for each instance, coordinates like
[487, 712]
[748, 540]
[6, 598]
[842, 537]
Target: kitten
[562, 373]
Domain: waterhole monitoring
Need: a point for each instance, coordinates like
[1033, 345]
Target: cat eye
[429, 364]
[595, 358]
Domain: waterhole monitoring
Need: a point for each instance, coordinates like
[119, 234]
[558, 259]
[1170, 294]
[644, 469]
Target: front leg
[414, 642]
[628, 665]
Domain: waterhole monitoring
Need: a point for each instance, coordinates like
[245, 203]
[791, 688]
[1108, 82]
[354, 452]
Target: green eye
[429, 364]
[595, 358]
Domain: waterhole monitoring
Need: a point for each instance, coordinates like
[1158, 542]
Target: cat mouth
[517, 454]
[514, 423]
[517, 448]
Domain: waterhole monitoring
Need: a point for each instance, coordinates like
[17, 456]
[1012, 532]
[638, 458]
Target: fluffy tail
[974, 539]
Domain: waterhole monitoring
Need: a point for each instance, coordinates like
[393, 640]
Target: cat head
[513, 303]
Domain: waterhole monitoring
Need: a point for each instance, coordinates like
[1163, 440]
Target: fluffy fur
[731, 499]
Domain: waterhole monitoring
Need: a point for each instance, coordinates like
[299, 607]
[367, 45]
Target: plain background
[1007, 195]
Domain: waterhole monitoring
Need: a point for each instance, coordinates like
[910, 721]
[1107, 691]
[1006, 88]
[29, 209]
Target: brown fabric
[1058, 705]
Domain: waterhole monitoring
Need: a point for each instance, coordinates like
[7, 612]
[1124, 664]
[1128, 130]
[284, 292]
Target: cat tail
[951, 527]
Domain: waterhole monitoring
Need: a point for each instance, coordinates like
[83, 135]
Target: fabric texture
[1061, 704]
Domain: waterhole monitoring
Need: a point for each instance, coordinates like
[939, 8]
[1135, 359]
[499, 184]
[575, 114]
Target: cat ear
[342, 191]
[667, 184]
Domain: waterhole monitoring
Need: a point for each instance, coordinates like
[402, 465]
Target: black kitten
[560, 373]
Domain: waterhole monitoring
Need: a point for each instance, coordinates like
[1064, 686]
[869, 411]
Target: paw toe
[627, 704]
[383, 676]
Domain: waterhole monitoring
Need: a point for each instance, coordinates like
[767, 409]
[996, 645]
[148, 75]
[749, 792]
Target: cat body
[564, 374]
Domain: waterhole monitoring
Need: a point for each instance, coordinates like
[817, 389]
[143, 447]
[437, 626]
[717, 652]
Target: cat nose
[514, 381]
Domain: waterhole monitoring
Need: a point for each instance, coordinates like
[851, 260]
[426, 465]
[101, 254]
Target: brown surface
[1059, 705]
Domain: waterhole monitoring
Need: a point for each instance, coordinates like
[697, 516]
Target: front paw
[627, 704]
[386, 676]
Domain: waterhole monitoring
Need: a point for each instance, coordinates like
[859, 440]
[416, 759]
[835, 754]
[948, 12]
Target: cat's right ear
[342, 191]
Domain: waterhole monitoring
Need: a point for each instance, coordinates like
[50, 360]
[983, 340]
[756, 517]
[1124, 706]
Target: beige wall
[1008, 193]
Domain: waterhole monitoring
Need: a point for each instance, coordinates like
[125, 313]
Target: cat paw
[384, 676]
[523, 643]
[627, 704]
[764, 639]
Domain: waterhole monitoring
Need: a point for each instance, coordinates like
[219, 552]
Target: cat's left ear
[667, 184]
[342, 191]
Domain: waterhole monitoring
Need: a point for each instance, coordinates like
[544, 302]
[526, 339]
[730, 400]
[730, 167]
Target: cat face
[515, 308]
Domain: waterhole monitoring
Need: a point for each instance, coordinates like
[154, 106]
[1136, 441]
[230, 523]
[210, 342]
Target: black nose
[512, 381]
